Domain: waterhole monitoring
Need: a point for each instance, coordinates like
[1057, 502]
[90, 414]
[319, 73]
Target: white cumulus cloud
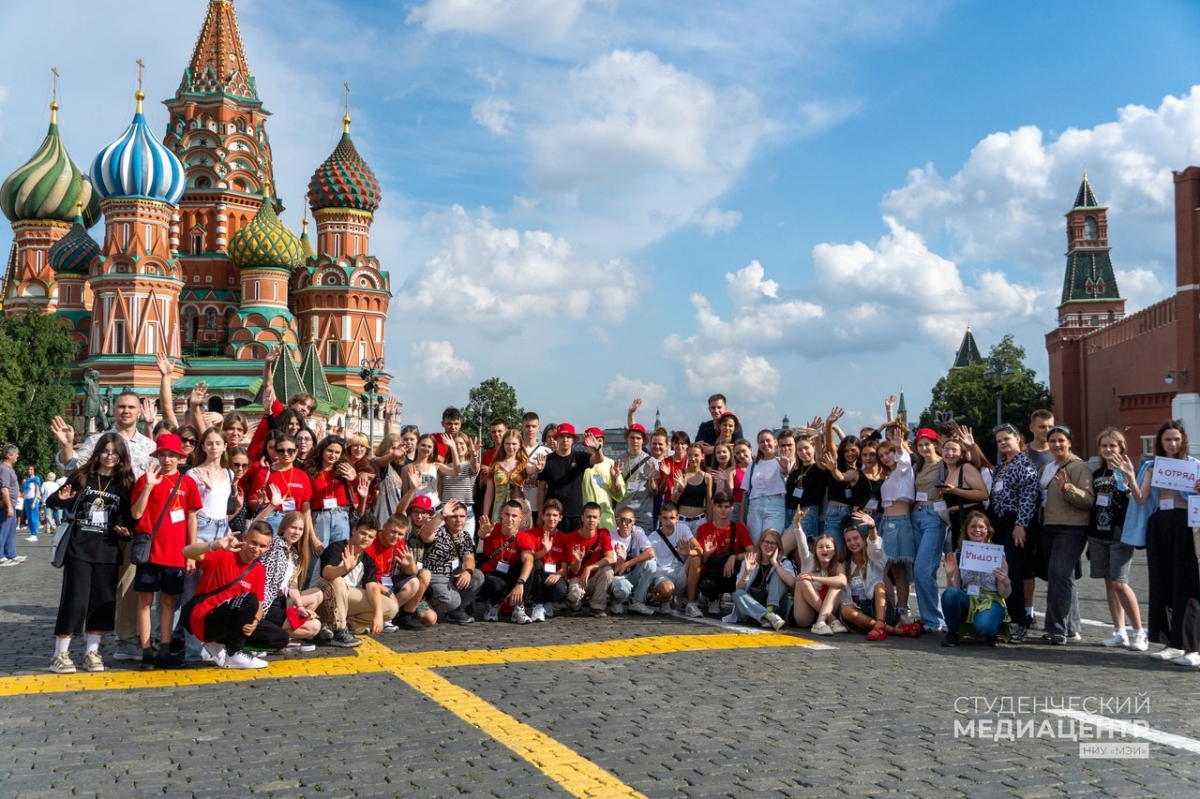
[494, 114]
[435, 362]
[622, 389]
[509, 19]
[716, 220]
[496, 274]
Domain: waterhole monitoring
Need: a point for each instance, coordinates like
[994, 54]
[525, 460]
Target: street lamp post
[372, 368]
[998, 371]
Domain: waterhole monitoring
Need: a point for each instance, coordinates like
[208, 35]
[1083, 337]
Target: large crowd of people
[246, 539]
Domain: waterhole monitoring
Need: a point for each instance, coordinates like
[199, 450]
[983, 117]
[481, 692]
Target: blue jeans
[835, 516]
[930, 533]
[635, 582]
[764, 513]
[750, 609]
[8, 536]
[330, 527]
[956, 603]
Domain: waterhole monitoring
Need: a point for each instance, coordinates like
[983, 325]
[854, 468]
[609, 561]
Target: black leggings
[1174, 583]
[1020, 562]
[88, 602]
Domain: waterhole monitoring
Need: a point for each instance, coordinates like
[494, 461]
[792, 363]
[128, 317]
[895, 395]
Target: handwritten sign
[1174, 473]
[980, 557]
[1194, 510]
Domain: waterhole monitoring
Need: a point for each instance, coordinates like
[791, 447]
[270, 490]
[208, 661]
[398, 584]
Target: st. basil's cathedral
[194, 261]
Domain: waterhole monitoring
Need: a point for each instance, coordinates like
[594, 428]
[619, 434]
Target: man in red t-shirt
[164, 505]
[508, 565]
[234, 581]
[588, 561]
[303, 404]
[712, 564]
[397, 571]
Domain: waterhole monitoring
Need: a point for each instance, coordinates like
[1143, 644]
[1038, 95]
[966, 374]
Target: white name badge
[502, 567]
[386, 582]
[887, 503]
[550, 568]
[100, 518]
[1102, 500]
[849, 492]
[178, 515]
[922, 496]
[454, 564]
[872, 504]
[997, 486]
[420, 565]
[1166, 504]
[598, 479]
[798, 493]
[329, 503]
[288, 505]
[973, 590]
[939, 506]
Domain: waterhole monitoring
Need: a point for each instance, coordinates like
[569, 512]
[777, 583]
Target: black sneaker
[1056, 640]
[459, 617]
[991, 640]
[345, 639]
[324, 635]
[1017, 633]
[409, 621]
[147, 664]
[169, 660]
[950, 639]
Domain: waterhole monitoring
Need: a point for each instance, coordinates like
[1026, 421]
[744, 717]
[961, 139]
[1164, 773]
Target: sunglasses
[624, 521]
[288, 451]
[336, 440]
[110, 455]
[190, 441]
[241, 465]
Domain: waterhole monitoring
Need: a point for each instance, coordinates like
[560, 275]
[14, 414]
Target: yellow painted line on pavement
[574, 773]
[598, 650]
[374, 657]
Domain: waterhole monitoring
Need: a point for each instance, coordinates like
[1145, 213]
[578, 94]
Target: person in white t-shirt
[635, 564]
[672, 543]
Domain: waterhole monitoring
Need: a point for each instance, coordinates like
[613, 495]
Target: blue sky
[797, 204]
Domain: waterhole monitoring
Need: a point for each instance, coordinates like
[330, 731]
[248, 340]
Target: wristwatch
[520, 581]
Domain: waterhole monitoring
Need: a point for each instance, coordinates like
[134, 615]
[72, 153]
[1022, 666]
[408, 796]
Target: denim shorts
[899, 543]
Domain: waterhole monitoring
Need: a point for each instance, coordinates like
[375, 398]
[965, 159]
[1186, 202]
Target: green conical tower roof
[266, 243]
[49, 185]
[968, 351]
[1086, 198]
[312, 373]
[286, 380]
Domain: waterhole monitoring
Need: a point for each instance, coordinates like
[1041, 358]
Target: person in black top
[562, 476]
[706, 435]
[97, 494]
[805, 488]
[353, 593]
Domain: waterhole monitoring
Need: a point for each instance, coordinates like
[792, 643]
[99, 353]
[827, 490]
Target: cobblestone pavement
[658, 707]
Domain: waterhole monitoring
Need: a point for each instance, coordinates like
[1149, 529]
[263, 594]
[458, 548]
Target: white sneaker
[214, 653]
[775, 620]
[17, 559]
[1167, 654]
[692, 611]
[32, 539]
[1191, 659]
[519, 616]
[821, 628]
[4, 561]
[714, 608]
[62, 664]
[537, 613]
[1115, 640]
[730, 618]
[726, 600]
[243, 660]
[492, 613]
[93, 662]
[303, 646]
[641, 608]
[616, 609]
[837, 626]
[1139, 643]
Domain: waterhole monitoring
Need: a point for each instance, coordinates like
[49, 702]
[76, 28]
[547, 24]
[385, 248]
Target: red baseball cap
[636, 428]
[594, 431]
[566, 429]
[168, 442]
[925, 432]
[423, 502]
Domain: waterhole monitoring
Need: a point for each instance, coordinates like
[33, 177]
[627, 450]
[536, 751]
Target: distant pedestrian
[31, 490]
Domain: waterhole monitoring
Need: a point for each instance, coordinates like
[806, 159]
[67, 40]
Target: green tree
[490, 399]
[968, 395]
[34, 383]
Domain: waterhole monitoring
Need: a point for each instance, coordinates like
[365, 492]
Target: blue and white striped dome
[138, 165]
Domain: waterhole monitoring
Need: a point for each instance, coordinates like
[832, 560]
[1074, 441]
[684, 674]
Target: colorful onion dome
[138, 165]
[266, 243]
[71, 254]
[344, 180]
[49, 185]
